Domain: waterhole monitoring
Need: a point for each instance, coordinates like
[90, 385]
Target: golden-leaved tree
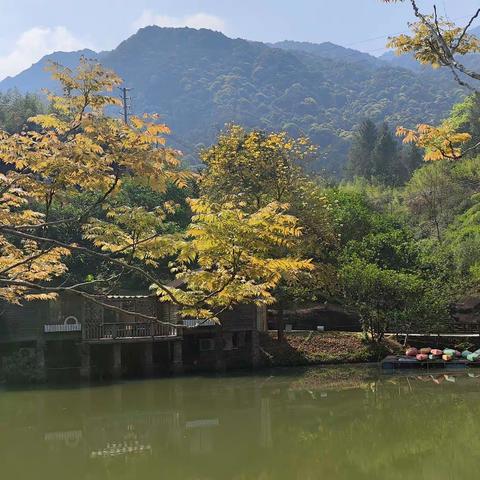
[249, 169]
[78, 150]
[439, 42]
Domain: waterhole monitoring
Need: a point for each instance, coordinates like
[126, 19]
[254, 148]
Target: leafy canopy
[77, 151]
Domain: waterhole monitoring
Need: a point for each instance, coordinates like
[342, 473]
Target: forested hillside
[198, 80]
[91, 202]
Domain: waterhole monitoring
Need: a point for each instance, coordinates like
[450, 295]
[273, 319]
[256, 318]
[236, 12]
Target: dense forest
[399, 241]
[199, 80]
[92, 204]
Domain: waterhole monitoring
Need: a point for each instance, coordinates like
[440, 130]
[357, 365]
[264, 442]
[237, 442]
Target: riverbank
[314, 348]
[299, 349]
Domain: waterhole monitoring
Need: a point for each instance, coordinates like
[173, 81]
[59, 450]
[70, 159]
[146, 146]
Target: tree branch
[447, 53]
[25, 261]
[102, 256]
[462, 36]
[80, 219]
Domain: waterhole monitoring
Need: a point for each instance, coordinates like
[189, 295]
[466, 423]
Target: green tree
[428, 196]
[391, 301]
[394, 249]
[361, 157]
[411, 158]
[16, 109]
[385, 157]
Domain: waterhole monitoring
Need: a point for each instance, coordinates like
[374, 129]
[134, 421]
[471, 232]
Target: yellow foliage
[439, 143]
[425, 47]
[227, 255]
[78, 149]
[254, 167]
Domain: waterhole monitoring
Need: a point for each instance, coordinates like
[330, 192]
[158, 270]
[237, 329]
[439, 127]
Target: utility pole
[125, 98]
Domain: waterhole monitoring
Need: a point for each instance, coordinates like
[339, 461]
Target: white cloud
[197, 20]
[33, 44]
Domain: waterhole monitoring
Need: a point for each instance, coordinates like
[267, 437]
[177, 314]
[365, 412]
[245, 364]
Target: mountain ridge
[199, 80]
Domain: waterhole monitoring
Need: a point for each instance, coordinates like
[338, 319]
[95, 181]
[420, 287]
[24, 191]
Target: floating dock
[394, 362]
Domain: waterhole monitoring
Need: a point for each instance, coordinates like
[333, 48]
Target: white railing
[60, 328]
[195, 322]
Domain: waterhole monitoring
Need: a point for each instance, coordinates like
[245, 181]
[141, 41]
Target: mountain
[198, 80]
[329, 50]
[36, 77]
[408, 61]
[404, 61]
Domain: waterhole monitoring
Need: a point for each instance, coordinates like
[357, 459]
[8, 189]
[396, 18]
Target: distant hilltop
[198, 80]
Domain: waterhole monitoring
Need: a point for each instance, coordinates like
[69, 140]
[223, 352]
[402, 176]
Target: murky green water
[341, 423]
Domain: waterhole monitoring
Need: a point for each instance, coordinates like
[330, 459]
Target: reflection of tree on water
[410, 426]
[296, 424]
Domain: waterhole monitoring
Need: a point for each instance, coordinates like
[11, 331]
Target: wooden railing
[115, 331]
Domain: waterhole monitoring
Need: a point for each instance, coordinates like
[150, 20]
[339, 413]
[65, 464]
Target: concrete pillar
[256, 359]
[117, 360]
[41, 364]
[177, 360]
[148, 359]
[85, 363]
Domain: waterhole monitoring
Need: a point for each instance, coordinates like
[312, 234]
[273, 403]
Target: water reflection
[337, 423]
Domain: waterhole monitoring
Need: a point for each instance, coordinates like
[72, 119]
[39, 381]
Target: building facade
[73, 338]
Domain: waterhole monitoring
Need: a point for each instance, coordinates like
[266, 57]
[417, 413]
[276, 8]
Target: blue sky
[30, 29]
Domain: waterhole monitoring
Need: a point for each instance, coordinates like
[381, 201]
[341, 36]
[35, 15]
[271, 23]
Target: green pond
[323, 423]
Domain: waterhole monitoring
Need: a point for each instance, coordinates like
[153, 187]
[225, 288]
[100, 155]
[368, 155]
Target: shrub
[21, 367]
